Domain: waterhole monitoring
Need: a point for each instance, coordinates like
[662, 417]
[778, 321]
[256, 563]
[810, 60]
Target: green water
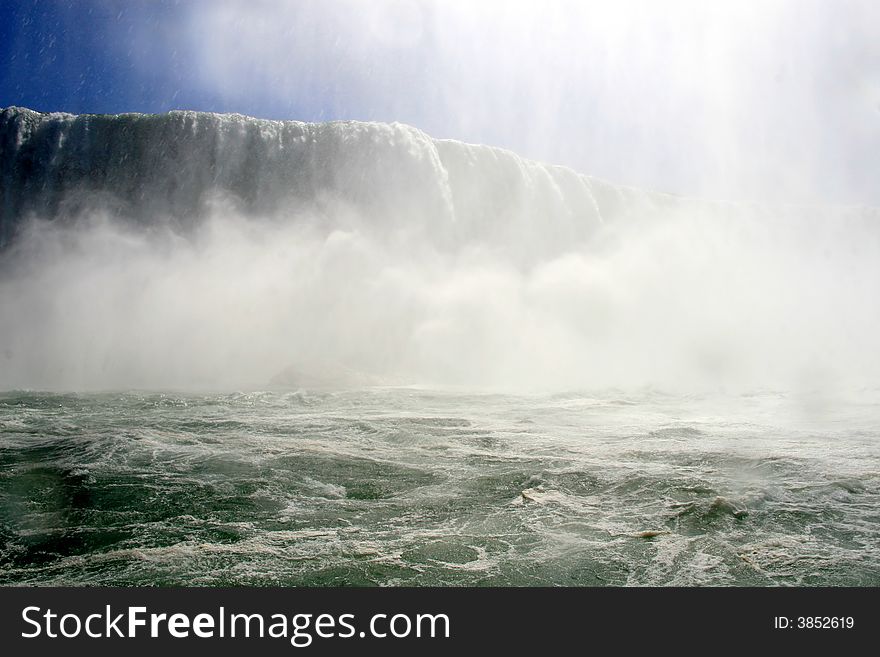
[418, 487]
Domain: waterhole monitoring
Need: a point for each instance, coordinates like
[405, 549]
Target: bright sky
[754, 99]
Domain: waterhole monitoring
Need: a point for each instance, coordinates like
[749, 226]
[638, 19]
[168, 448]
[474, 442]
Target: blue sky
[776, 100]
[110, 56]
[87, 56]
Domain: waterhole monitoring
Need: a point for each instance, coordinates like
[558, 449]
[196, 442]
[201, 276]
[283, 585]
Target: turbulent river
[408, 486]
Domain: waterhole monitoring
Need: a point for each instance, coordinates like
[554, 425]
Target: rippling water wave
[403, 486]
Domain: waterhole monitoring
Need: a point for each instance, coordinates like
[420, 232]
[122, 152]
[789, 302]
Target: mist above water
[200, 251]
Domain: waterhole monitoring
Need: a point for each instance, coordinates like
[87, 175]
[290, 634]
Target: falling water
[250, 351]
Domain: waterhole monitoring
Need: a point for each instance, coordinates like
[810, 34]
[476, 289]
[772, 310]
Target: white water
[193, 250]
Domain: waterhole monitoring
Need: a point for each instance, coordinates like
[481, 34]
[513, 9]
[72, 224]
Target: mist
[774, 101]
[702, 298]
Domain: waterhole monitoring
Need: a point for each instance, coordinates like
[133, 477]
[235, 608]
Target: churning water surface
[408, 486]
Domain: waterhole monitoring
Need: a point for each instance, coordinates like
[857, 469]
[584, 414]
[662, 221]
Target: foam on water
[397, 486]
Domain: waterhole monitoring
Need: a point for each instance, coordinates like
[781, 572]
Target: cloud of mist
[687, 301]
[774, 101]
